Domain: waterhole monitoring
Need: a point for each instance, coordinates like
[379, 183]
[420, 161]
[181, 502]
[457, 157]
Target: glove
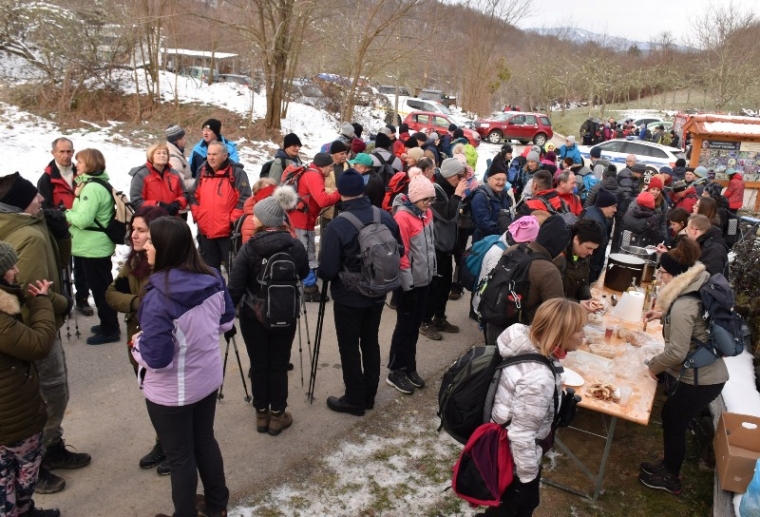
[69, 303]
[173, 208]
[411, 297]
[228, 335]
[57, 223]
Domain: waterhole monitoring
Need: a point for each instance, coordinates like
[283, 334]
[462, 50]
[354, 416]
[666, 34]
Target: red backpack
[485, 468]
[290, 176]
[399, 182]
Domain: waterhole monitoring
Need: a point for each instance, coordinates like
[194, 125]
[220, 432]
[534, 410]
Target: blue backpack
[472, 260]
[589, 180]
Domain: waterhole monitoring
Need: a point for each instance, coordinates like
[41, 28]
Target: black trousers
[357, 329]
[269, 353]
[686, 403]
[80, 281]
[518, 500]
[187, 437]
[439, 288]
[462, 237]
[98, 274]
[215, 251]
[403, 354]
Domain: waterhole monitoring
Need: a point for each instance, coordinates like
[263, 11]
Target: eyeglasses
[428, 200]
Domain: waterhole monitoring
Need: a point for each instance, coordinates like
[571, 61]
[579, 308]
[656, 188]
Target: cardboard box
[737, 448]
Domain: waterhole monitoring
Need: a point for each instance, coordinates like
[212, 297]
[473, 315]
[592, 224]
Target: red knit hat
[645, 199]
[655, 182]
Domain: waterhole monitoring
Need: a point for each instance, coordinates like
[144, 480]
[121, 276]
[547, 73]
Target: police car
[650, 154]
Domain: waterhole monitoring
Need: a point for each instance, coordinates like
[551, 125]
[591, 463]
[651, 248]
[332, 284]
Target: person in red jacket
[57, 185]
[544, 197]
[156, 183]
[312, 198]
[221, 189]
[262, 189]
[565, 186]
[735, 191]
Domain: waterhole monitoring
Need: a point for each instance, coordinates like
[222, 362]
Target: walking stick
[317, 342]
[308, 338]
[240, 366]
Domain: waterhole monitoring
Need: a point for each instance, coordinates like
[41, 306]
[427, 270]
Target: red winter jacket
[539, 199]
[218, 198]
[735, 192]
[398, 147]
[573, 202]
[246, 229]
[311, 191]
[688, 200]
[149, 187]
[54, 188]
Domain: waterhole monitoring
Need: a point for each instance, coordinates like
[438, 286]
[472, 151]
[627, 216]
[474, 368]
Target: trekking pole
[240, 366]
[224, 371]
[67, 285]
[317, 342]
[300, 347]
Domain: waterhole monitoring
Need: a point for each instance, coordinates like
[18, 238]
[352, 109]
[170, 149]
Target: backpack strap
[99, 227]
[355, 220]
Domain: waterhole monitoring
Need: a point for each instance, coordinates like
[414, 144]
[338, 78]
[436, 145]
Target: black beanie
[453, 127]
[497, 167]
[403, 128]
[291, 139]
[17, 191]
[338, 147]
[215, 126]
[411, 142]
[554, 235]
[358, 128]
[671, 265]
[382, 140]
[605, 198]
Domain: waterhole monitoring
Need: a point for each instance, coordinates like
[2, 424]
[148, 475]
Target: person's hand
[173, 208]
[40, 288]
[653, 315]
[591, 305]
[653, 375]
[661, 248]
[54, 214]
[461, 187]
[230, 333]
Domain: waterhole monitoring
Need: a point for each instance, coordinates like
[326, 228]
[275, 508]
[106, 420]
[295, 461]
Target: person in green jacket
[22, 409]
[91, 211]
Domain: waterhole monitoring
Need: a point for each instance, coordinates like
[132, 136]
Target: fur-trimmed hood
[9, 302]
[688, 281]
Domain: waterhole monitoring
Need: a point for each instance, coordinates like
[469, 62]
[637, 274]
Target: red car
[516, 125]
[428, 121]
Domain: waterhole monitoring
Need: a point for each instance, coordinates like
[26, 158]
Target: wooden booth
[720, 142]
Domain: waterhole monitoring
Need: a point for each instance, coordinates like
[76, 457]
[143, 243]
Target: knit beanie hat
[420, 137]
[384, 141]
[8, 257]
[571, 139]
[291, 139]
[655, 182]
[413, 171]
[533, 157]
[385, 130]
[17, 191]
[420, 188]
[679, 186]
[350, 183]
[666, 170]
[639, 168]
[215, 126]
[596, 152]
[174, 132]
[646, 200]
[338, 147]
[417, 153]
[671, 265]
[451, 167]
[700, 172]
[403, 128]
[551, 156]
[323, 159]
[271, 211]
[452, 127]
[347, 130]
[554, 235]
[605, 198]
[358, 146]
[496, 168]
[524, 229]
[680, 162]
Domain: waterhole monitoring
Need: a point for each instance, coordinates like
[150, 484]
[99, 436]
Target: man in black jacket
[450, 185]
[603, 210]
[357, 317]
[374, 188]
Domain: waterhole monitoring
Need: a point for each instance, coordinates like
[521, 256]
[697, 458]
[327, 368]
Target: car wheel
[494, 137]
[539, 139]
[651, 170]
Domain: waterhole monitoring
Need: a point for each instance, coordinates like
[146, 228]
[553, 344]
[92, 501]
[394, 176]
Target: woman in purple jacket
[185, 309]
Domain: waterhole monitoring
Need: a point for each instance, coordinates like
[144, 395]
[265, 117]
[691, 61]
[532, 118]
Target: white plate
[571, 378]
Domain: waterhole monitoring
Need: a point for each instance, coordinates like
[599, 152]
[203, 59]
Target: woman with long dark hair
[185, 309]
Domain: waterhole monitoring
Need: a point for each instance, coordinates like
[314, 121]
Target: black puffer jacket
[628, 189]
[247, 265]
[644, 225]
[609, 182]
[714, 251]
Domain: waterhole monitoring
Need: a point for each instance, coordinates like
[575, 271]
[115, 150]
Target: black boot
[39, 512]
[154, 457]
[48, 483]
[57, 456]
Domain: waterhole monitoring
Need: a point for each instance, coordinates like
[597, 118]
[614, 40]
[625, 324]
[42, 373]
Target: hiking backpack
[589, 180]
[291, 176]
[117, 227]
[385, 170]
[724, 325]
[564, 212]
[471, 154]
[379, 257]
[472, 259]
[465, 219]
[276, 305]
[444, 230]
[264, 173]
[236, 237]
[485, 467]
[504, 292]
[396, 186]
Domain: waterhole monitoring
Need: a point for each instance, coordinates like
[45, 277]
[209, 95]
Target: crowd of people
[398, 214]
[595, 131]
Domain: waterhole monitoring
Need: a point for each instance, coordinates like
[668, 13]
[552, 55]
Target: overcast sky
[637, 20]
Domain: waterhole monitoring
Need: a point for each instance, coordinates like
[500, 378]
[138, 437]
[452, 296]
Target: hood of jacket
[268, 243]
[581, 171]
[516, 341]
[184, 287]
[688, 281]
[11, 297]
[713, 233]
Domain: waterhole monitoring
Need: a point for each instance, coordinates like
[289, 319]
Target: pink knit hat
[420, 188]
[524, 229]
[414, 171]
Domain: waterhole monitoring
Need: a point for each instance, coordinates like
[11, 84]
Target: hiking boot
[399, 380]
[48, 483]
[163, 468]
[443, 325]
[278, 422]
[291, 367]
[39, 512]
[84, 308]
[154, 457]
[57, 456]
[662, 481]
[95, 329]
[455, 295]
[415, 379]
[311, 293]
[341, 406]
[652, 468]
[430, 332]
[262, 421]
[102, 339]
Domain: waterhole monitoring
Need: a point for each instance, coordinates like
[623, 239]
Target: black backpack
[385, 170]
[504, 292]
[268, 165]
[117, 227]
[276, 305]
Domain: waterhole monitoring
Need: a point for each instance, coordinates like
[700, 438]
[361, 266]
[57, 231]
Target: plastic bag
[750, 505]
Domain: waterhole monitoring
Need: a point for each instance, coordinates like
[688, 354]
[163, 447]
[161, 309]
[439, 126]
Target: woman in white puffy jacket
[525, 396]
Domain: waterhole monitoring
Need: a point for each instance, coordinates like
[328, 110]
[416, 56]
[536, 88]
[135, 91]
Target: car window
[502, 117]
[518, 120]
[415, 104]
[530, 120]
[429, 107]
[657, 153]
[423, 119]
[612, 146]
[441, 122]
[545, 121]
[631, 148]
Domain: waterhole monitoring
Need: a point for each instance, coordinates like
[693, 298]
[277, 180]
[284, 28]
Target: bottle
[655, 292]
[605, 303]
[632, 288]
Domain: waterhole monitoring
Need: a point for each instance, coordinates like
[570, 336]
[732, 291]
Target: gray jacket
[418, 265]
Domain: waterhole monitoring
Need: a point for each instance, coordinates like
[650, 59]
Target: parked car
[647, 121]
[516, 125]
[408, 104]
[391, 90]
[650, 154]
[243, 80]
[438, 96]
[201, 73]
[304, 91]
[653, 125]
[429, 121]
